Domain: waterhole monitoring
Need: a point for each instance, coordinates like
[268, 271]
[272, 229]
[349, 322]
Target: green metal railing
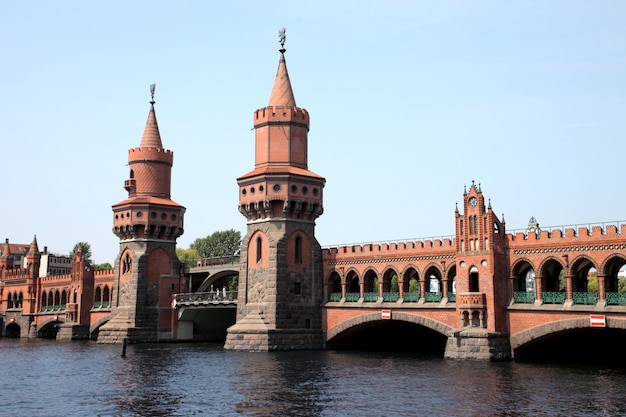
[391, 296]
[335, 296]
[370, 297]
[411, 297]
[550, 297]
[589, 298]
[451, 297]
[524, 297]
[352, 297]
[615, 298]
[433, 297]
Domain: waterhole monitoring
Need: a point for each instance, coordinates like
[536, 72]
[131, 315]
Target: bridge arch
[397, 316]
[524, 338]
[579, 269]
[409, 279]
[433, 270]
[523, 275]
[387, 277]
[610, 268]
[367, 280]
[550, 270]
[47, 328]
[94, 329]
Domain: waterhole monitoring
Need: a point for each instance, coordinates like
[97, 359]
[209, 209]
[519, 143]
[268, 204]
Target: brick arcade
[488, 294]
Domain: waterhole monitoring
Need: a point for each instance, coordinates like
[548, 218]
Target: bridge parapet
[429, 245]
[204, 298]
[597, 232]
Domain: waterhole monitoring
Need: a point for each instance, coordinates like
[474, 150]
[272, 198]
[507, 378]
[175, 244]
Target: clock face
[472, 201]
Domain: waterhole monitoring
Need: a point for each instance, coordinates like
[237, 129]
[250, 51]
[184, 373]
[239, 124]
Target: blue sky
[409, 102]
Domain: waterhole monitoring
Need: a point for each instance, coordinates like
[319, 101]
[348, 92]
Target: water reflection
[86, 379]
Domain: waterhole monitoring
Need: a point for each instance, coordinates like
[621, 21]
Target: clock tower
[482, 279]
[280, 281]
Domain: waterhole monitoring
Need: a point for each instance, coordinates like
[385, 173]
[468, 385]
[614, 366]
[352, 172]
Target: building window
[127, 264]
[259, 249]
[297, 288]
[298, 254]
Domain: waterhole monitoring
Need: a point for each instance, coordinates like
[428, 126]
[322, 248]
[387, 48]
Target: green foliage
[592, 282]
[85, 248]
[103, 267]
[394, 284]
[233, 284]
[187, 256]
[413, 285]
[220, 243]
[621, 284]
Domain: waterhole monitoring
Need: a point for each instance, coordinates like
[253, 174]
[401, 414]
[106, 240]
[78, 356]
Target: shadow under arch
[524, 338]
[431, 324]
[94, 329]
[47, 329]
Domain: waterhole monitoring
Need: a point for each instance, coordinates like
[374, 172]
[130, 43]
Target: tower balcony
[470, 300]
[129, 185]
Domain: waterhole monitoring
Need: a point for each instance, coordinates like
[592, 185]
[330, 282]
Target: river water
[48, 378]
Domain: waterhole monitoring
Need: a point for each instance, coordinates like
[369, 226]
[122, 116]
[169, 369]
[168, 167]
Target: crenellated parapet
[281, 114]
[141, 154]
[568, 236]
[16, 274]
[406, 251]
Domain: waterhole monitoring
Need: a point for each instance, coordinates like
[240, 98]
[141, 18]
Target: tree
[220, 243]
[103, 267]
[85, 248]
[187, 256]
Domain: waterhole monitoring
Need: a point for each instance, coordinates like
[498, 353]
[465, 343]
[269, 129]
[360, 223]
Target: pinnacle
[151, 136]
[282, 94]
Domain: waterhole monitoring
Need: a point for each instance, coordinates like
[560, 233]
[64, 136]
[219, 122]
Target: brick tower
[481, 282]
[147, 223]
[280, 282]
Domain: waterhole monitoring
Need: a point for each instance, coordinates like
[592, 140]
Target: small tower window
[298, 252]
[132, 174]
[259, 249]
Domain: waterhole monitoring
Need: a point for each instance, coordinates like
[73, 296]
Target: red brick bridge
[481, 284]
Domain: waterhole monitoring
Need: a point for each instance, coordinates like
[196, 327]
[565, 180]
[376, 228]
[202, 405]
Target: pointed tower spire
[6, 251]
[34, 247]
[282, 94]
[151, 136]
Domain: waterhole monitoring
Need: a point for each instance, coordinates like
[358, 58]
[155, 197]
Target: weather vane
[152, 88]
[282, 37]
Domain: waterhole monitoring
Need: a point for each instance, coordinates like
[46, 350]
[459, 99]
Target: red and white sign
[597, 321]
[385, 314]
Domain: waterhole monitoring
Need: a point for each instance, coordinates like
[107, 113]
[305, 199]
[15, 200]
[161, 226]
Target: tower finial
[152, 88]
[281, 39]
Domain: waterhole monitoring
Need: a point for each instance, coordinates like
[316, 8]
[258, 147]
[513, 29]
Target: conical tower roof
[34, 247]
[6, 251]
[151, 136]
[282, 94]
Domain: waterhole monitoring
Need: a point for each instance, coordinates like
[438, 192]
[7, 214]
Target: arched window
[50, 300]
[44, 300]
[105, 296]
[63, 298]
[9, 301]
[15, 300]
[19, 300]
[127, 264]
[132, 174]
[97, 297]
[473, 280]
[259, 249]
[298, 255]
[57, 298]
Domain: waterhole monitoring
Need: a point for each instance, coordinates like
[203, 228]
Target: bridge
[547, 283]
